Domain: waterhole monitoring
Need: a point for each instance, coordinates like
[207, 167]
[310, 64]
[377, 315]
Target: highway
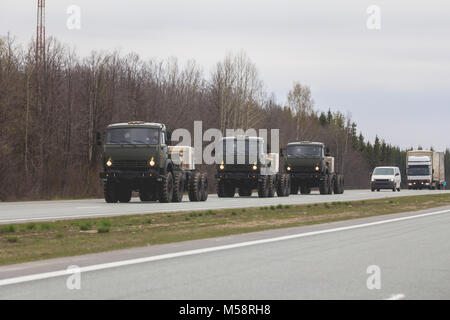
[20, 212]
[328, 261]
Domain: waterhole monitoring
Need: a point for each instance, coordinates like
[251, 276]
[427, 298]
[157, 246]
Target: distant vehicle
[309, 167]
[137, 157]
[386, 178]
[242, 164]
[425, 169]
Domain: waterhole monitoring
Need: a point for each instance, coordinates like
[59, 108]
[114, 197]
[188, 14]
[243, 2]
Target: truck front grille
[130, 164]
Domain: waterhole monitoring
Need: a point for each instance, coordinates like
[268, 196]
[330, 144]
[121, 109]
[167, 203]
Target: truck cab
[137, 157]
[425, 169]
[242, 164]
[310, 167]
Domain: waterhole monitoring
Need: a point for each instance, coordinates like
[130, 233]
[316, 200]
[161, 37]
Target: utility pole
[40, 69]
[40, 32]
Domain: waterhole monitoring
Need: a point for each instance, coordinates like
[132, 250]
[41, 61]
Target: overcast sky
[395, 82]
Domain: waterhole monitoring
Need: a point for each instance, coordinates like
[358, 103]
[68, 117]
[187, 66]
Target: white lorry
[425, 169]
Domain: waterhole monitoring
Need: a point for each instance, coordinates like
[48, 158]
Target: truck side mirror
[281, 152]
[169, 137]
[98, 138]
[213, 152]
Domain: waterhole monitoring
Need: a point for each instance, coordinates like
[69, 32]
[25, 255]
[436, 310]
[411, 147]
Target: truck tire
[323, 185]
[225, 189]
[178, 187]
[272, 186]
[331, 180]
[204, 192]
[195, 185]
[337, 185]
[124, 194]
[110, 192]
[294, 188]
[263, 187]
[166, 187]
[342, 184]
[288, 185]
[245, 192]
[284, 185]
[305, 190]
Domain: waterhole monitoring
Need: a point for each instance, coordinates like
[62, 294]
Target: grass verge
[45, 240]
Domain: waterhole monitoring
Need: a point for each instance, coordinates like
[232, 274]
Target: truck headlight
[392, 180]
[317, 168]
[255, 167]
[288, 168]
[152, 162]
[222, 166]
[109, 163]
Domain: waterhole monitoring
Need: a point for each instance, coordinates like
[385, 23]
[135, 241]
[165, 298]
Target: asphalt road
[18, 212]
[330, 261]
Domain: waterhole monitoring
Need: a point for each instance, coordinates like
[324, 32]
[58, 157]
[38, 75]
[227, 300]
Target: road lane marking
[398, 296]
[123, 263]
[88, 207]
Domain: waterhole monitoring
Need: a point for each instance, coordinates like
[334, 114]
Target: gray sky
[395, 82]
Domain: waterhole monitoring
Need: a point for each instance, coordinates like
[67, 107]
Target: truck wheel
[337, 185]
[342, 184]
[263, 188]
[166, 188]
[272, 186]
[125, 194]
[110, 191]
[195, 185]
[288, 185]
[323, 185]
[305, 190]
[294, 188]
[245, 192]
[204, 193]
[283, 186]
[178, 188]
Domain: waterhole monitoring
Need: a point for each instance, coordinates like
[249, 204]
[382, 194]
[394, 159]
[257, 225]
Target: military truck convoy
[137, 157]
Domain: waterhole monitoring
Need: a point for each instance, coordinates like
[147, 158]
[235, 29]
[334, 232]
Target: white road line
[97, 267]
[88, 207]
[398, 296]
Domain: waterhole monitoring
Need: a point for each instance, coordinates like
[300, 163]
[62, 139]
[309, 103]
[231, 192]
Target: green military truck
[309, 167]
[137, 156]
[242, 164]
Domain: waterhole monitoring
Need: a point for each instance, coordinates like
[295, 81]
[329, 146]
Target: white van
[386, 178]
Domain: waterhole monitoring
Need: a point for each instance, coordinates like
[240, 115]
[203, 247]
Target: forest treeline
[50, 113]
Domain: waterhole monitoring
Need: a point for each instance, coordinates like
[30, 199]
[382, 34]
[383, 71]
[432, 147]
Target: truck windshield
[305, 151]
[383, 172]
[133, 136]
[419, 171]
[242, 147]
